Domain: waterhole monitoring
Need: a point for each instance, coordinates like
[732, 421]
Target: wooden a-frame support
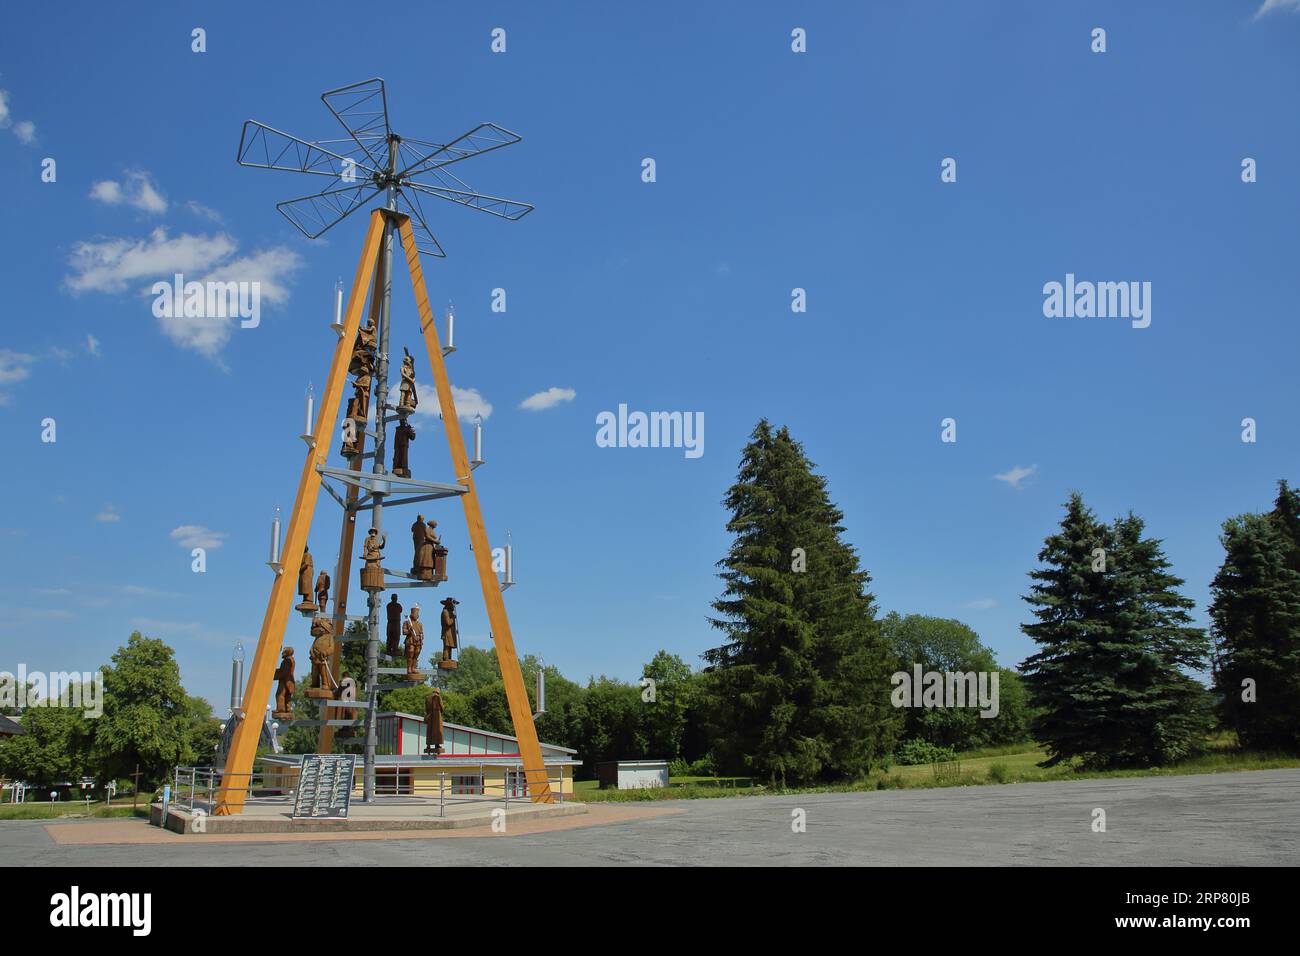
[237, 775]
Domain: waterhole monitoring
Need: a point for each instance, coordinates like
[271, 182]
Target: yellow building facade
[474, 763]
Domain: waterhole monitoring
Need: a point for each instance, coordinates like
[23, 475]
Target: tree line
[149, 724]
[799, 688]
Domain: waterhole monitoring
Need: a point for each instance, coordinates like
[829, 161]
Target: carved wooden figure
[366, 335]
[433, 733]
[394, 646]
[418, 532]
[407, 399]
[372, 552]
[402, 438]
[414, 632]
[305, 569]
[360, 404]
[322, 651]
[286, 688]
[450, 633]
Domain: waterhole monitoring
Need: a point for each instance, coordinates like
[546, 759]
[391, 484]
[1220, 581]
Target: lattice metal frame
[374, 160]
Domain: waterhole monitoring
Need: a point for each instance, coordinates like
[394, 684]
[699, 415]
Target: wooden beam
[236, 777]
[343, 572]
[521, 712]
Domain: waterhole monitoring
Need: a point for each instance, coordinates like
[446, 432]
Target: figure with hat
[414, 632]
[450, 634]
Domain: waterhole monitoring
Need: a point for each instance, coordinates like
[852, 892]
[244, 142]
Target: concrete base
[272, 815]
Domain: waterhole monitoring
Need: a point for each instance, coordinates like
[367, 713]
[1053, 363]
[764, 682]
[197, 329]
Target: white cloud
[470, 404]
[1270, 5]
[981, 604]
[139, 590]
[14, 366]
[92, 345]
[138, 192]
[198, 209]
[115, 264]
[109, 514]
[547, 399]
[107, 192]
[111, 265]
[269, 268]
[197, 536]
[25, 130]
[1016, 475]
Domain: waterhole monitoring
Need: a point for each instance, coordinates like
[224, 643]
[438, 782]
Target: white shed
[632, 774]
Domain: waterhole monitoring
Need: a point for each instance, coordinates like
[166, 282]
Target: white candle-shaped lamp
[236, 676]
[337, 324]
[478, 441]
[451, 328]
[510, 562]
[311, 411]
[275, 539]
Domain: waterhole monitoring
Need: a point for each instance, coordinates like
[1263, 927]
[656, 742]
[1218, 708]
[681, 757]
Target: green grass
[36, 810]
[679, 788]
[1014, 765]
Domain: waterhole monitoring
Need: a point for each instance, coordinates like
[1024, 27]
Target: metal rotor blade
[362, 109]
[492, 205]
[425, 241]
[315, 214]
[481, 139]
[264, 147]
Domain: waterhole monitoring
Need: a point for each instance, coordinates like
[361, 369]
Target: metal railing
[194, 784]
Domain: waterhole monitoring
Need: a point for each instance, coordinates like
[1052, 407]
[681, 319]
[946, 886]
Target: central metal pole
[385, 290]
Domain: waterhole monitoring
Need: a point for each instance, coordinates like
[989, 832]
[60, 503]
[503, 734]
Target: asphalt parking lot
[1250, 818]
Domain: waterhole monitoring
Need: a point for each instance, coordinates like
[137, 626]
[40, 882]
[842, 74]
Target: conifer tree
[1114, 634]
[799, 691]
[1256, 624]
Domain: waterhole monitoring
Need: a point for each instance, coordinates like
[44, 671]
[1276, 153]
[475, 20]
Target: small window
[393, 782]
[470, 783]
[516, 783]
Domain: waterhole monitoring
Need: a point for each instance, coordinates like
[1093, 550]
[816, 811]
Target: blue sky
[775, 170]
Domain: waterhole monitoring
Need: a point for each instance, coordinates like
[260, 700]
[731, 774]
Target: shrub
[999, 773]
[915, 752]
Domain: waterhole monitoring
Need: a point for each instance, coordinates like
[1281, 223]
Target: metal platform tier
[385, 484]
[404, 578]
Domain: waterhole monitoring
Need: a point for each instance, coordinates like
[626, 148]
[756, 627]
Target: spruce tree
[799, 691]
[1166, 712]
[1114, 635]
[1256, 624]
